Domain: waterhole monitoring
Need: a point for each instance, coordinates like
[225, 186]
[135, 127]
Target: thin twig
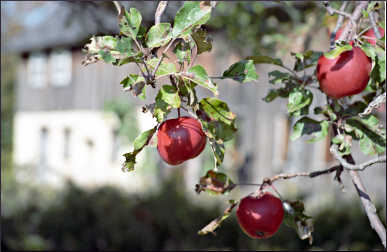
[376, 103]
[356, 14]
[339, 23]
[374, 26]
[159, 11]
[118, 7]
[342, 13]
[358, 167]
[162, 57]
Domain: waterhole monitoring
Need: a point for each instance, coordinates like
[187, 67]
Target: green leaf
[164, 68]
[305, 60]
[187, 89]
[279, 77]
[265, 60]
[198, 75]
[242, 71]
[327, 111]
[159, 35]
[218, 150]
[298, 99]
[106, 56]
[215, 183]
[161, 108]
[169, 94]
[378, 73]
[98, 43]
[344, 144]
[271, 95]
[139, 143]
[372, 141]
[218, 130]
[297, 219]
[337, 51]
[135, 58]
[308, 126]
[124, 46]
[134, 83]
[192, 14]
[182, 51]
[130, 23]
[217, 110]
[203, 43]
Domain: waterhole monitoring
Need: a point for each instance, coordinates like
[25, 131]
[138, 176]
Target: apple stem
[178, 112]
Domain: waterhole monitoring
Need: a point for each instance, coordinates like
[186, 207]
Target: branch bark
[369, 207]
[355, 17]
[353, 167]
[376, 103]
[159, 11]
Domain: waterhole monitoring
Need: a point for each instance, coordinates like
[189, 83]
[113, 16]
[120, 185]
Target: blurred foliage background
[107, 218]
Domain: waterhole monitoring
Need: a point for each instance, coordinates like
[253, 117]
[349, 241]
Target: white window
[60, 67]
[37, 70]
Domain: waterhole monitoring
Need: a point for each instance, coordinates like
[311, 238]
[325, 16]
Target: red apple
[370, 33]
[345, 75]
[260, 216]
[180, 139]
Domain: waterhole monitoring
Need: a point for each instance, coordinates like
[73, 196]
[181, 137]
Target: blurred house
[61, 128]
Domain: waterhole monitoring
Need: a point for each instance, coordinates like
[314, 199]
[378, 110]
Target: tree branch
[369, 207]
[353, 167]
[338, 25]
[348, 162]
[162, 57]
[376, 103]
[159, 11]
[356, 14]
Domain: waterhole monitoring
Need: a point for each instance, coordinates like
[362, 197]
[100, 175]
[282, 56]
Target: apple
[345, 75]
[370, 33]
[180, 139]
[260, 216]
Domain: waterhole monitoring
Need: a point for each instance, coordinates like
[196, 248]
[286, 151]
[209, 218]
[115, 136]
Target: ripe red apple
[345, 75]
[260, 216]
[370, 33]
[180, 139]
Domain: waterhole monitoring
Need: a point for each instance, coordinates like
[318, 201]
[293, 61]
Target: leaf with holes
[215, 183]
